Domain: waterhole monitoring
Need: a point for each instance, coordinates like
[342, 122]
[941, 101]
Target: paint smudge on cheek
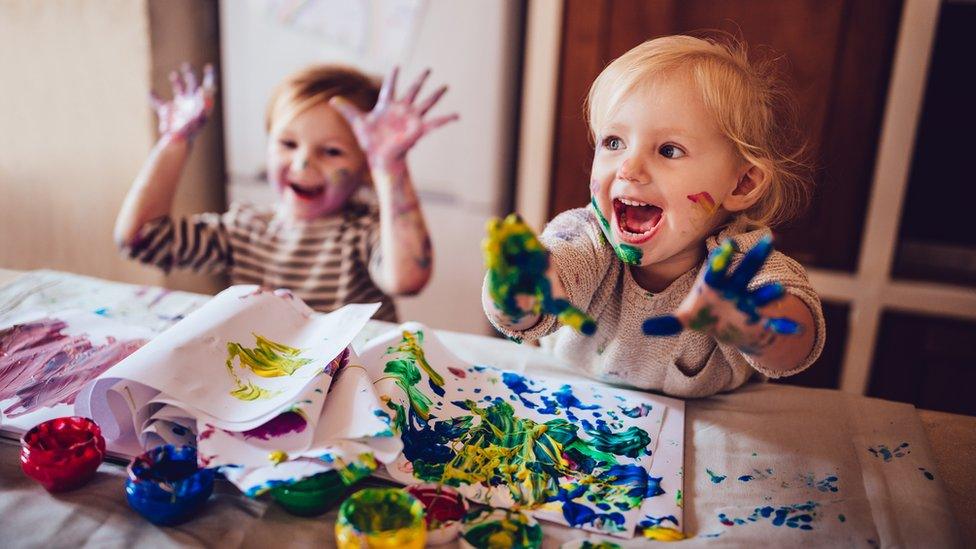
[704, 203]
[883, 452]
[594, 186]
[42, 366]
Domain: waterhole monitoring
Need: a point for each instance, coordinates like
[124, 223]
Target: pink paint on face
[594, 187]
[705, 202]
[42, 367]
[315, 163]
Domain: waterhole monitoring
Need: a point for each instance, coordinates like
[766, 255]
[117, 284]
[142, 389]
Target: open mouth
[307, 192]
[636, 221]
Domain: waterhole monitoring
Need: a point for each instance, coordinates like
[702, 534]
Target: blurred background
[885, 92]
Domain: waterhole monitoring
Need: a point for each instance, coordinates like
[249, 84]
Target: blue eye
[670, 151]
[613, 143]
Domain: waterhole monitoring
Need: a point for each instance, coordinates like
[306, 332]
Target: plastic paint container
[381, 518]
[500, 528]
[310, 496]
[62, 453]
[166, 486]
[445, 509]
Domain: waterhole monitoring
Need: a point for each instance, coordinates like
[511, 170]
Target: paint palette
[580, 454]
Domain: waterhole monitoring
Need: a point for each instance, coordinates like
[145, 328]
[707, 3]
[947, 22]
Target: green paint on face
[630, 255]
[679, 499]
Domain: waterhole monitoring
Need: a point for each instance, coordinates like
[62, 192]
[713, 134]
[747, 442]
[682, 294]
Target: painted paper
[566, 452]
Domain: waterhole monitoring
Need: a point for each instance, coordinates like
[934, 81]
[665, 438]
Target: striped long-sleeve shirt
[325, 262]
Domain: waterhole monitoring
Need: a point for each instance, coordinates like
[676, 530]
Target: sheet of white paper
[441, 405]
[238, 317]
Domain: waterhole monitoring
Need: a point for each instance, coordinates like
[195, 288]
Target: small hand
[394, 125]
[721, 305]
[517, 282]
[185, 115]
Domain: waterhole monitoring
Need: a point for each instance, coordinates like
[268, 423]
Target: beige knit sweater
[690, 364]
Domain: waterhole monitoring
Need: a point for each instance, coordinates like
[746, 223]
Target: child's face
[315, 163]
[661, 171]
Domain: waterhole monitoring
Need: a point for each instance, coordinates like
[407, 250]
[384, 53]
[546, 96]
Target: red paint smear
[457, 372]
[282, 424]
[704, 200]
[43, 367]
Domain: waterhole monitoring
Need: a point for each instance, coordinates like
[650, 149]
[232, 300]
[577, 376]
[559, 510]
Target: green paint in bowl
[311, 496]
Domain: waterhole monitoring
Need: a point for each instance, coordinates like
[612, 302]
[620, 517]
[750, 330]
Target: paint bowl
[310, 496]
[444, 508]
[381, 518]
[166, 486]
[489, 527]
[62, 453]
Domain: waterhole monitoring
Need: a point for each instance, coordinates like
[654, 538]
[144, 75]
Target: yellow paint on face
[278, 456]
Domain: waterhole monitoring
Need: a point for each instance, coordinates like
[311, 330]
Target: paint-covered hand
[395, 124]
[721, 304]
[185, 115]
[517, 275]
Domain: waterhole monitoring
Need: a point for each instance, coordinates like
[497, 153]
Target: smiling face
[661, 171]
[315, 163]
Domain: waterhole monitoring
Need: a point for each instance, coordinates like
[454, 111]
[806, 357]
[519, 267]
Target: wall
[76, 127]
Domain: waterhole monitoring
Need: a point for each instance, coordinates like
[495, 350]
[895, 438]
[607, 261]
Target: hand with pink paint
[395, 125]
[185, 115]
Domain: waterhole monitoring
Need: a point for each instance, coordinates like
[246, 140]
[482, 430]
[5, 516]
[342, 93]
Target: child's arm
[402, 264]
[775, 329]
[521, 284]
[152, 191]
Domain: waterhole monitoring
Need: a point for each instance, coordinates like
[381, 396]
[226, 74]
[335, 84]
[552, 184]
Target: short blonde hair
[317, 84]
[748, 100]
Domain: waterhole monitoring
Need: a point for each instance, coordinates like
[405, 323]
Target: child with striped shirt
[334, 136]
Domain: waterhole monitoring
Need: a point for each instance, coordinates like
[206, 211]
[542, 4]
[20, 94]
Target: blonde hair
[748, 101]
[317, 84]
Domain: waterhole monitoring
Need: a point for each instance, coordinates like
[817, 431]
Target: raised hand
[721, 305]
[517, 282]
[395, 124]
[185, 115]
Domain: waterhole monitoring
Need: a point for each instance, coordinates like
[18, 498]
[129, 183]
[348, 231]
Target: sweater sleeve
[198, 242]
[580, 258]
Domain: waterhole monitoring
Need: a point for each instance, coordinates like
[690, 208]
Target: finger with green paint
[518, 280]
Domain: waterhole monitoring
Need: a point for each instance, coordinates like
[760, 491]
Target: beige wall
[75, 125]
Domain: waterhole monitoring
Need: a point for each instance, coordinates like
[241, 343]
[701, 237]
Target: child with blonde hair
[667, 280]
[332, 133]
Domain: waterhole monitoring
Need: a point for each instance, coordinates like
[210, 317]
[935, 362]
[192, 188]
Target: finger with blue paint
[518, 280]
[722, 305]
